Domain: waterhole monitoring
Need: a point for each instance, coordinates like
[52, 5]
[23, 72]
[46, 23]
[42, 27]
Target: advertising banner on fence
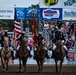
[71, 3]
[6, 13]
[20, 12]
[51, 3]
[71, 57]
[29, 13]
[69, 13]
[50, 13]
[26, 13]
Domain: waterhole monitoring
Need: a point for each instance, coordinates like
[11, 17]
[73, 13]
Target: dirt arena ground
[32, 70]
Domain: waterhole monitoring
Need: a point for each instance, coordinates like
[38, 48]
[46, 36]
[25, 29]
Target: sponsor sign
[50, 13]
[29, 13]
[6, 13]
[20, 13]
[26, 13]
[51, 3]
[71, 3]
[69, 13]
[71, 57]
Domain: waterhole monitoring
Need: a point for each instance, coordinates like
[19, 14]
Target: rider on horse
[1, 41]
[12, 53]
[40, 38]
[59, 37]
[26, 46]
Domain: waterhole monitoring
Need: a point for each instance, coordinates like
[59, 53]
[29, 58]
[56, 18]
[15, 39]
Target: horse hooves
[60, 72]
[57, 72]
[41, 71]
[24, 71]
[3, 70]
[20, 71]
[38, 70]
[6, 71]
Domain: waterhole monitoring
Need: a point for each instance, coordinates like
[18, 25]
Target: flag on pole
[17, 30]
[34, 28]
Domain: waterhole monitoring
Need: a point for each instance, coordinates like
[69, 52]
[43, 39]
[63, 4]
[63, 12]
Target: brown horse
[40, 56]
[59, 54]
[23, 55]
[5, 54]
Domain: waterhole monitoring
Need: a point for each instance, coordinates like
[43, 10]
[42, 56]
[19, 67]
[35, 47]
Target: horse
[23, 55]
[40, 55]
[5, 54]
[59, 54]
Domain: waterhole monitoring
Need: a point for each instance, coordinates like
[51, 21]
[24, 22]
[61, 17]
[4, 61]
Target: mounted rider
[26, 45]
[1, 40]
[59, 37]
[12, 50]
[40, 38]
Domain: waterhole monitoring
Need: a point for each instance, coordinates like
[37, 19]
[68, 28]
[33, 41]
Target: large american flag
[17, 32]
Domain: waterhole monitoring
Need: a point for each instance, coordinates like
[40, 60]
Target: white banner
[69, 13]
[51, 3]
[6, 12]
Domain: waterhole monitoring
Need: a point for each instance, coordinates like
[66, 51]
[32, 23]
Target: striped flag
[17, 31]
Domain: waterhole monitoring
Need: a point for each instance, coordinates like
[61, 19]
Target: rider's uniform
[59, 36]
[26, 45]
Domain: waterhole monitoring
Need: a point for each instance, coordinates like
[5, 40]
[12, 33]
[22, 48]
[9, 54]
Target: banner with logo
[69, 13]
[51, 3]
[20, 13]
[71, 57]
[51, 13]
[6, 13]
[29, 13]
[26, 13]
[69, 3]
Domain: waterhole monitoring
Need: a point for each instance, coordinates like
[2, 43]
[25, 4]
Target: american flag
[17, 30]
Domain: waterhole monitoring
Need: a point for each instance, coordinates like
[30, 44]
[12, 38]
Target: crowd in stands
[67, 33]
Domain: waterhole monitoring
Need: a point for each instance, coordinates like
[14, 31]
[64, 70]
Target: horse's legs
[20, 70]
[41, 65]
[24, 65]
[56, 66]
[61, 66]
[3, 63]
[38, 65]
[7, 65]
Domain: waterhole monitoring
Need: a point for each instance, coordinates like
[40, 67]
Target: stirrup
[52, 56]
[34, 57]
[30, 56]
[67, 57]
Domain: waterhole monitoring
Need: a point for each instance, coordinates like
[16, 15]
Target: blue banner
[21, 13]
[26, 13]
[50, 13]
[29, 13]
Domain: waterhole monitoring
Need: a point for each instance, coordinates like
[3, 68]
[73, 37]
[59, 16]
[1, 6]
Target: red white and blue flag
[17, 31]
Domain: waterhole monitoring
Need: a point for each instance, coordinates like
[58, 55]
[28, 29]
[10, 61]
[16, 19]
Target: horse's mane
[23, 43]
[59, 45]
[6, 43]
